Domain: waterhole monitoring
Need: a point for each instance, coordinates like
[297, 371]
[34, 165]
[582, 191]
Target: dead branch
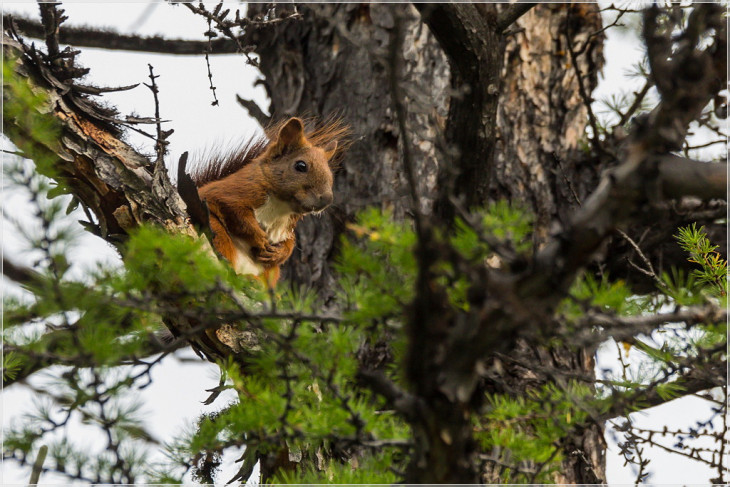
[108, 39]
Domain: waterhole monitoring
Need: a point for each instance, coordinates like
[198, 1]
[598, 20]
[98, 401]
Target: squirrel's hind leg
[222, 240]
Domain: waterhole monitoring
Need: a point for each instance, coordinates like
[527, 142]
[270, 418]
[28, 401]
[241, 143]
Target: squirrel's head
[297, 171]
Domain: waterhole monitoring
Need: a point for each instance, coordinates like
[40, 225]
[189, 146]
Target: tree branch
[55, 346]
[51, 20]
[696, 380]
[22, 275]
[255, 111]
[397, 398]
[109, 39]
[55, 342]
[511, 13]
[679, 177]
[622, 328]
[685, 77]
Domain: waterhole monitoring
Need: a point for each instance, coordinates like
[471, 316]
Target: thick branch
[620, 194]
[681, 177]
[514, 11]
[685, 77]
[108, 39]
[642, 177]
[622, 328]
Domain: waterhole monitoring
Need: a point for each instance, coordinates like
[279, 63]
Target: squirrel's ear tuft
[331, 149]
[291, 136]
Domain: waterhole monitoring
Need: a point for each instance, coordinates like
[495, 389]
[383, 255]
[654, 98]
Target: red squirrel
[257, 194]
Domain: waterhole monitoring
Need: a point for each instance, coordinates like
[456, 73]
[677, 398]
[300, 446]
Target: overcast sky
[174, 400]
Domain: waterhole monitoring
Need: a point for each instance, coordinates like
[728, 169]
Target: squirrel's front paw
[270, 254]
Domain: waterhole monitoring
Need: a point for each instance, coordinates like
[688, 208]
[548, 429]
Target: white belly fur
[274, 217]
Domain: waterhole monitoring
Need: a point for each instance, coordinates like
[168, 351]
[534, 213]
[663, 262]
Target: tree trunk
[333, 62]
[540, 163]
[330, 61]
[542, 118]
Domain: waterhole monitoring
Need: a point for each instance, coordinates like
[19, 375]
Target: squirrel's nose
[326, 199]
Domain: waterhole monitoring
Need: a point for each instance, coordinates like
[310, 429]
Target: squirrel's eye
[300, 166]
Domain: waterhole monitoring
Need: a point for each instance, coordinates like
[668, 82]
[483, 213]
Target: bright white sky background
[173, 402]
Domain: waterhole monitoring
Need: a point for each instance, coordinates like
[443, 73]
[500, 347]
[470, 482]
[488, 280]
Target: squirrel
[257, 193]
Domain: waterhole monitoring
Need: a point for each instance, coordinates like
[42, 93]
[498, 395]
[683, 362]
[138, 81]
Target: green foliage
[682, 287]
[377, 272]
[299, 389]
[373, 469]
[299, 386]
[713, 268]
[97, 326]
[709, 282]
[606, 294]
[603, 294]
[12, 364]
[672, 345]
[499, 224]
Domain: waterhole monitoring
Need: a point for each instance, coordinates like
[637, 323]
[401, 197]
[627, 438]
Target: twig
[209, 50]
[255, 111]
[35, 474]
[584, 96]
[649, 271]
[51, 20]
[708, 144]
[542, 465]
[722, 439]
[636, 104]
[223, 27]
[568, 182]
[161, 143]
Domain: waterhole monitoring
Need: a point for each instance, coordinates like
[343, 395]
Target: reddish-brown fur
[257, 194]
